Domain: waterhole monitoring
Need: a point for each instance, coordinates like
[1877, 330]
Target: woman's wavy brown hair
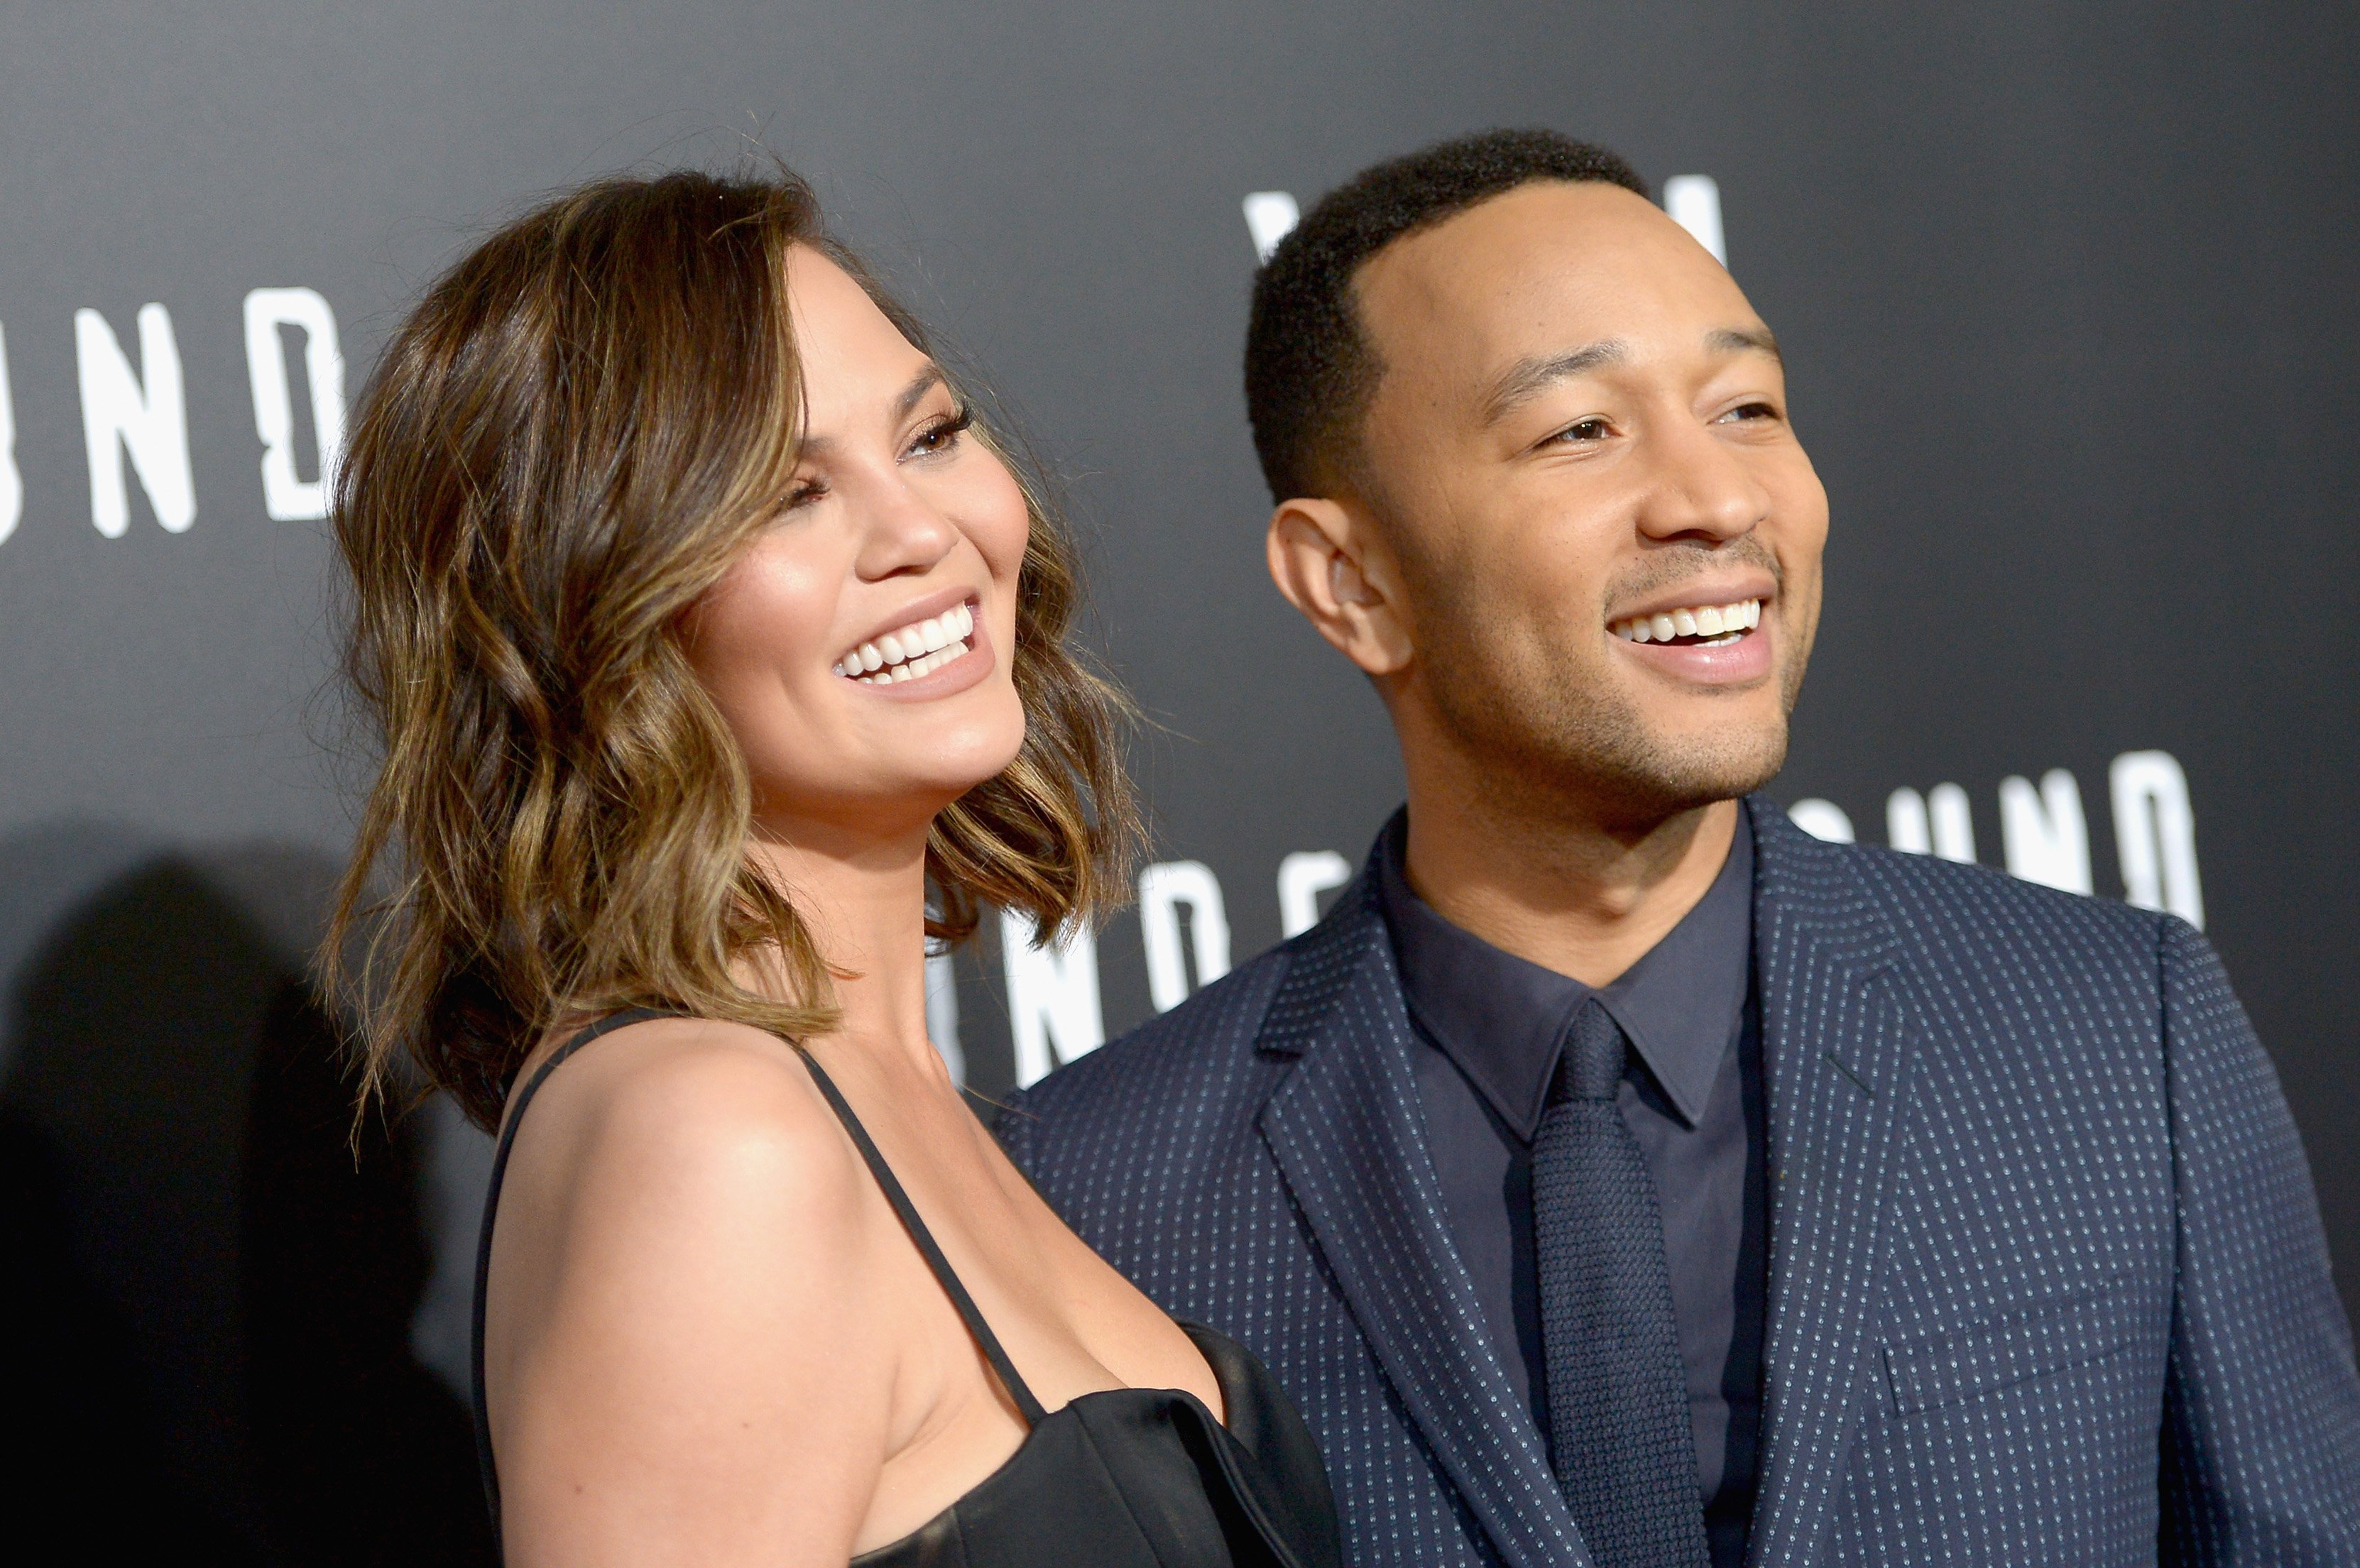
[565, 445]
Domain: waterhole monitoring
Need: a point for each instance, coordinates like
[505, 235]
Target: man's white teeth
[1723, 623]
[910, 652]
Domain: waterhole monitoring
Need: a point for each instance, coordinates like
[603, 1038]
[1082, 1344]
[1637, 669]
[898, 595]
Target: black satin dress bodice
[1121, 1478]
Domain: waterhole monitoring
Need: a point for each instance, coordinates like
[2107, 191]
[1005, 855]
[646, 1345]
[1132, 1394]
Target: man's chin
[1632, 758]
[1666, 776]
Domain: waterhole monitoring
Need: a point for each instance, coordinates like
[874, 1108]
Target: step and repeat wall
[2073, 323]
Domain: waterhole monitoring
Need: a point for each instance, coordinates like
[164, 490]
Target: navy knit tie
[1618, 1433]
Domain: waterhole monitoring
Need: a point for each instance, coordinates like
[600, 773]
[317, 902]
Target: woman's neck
[863, 899]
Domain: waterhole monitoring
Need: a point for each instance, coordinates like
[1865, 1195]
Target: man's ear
[1330, 564]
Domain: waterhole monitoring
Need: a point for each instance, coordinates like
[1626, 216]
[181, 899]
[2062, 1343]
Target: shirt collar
[1502, 1019]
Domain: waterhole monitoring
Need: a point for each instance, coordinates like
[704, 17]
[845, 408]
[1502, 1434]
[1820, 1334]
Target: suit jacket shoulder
[2096, 1180]
[1943, 909]
[1199, 1055]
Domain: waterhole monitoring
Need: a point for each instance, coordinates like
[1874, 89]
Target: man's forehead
[1584, 262]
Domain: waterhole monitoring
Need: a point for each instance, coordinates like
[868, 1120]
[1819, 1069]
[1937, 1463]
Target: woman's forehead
[851, 352]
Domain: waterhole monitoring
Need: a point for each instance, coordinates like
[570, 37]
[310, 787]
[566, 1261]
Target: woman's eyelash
[941, 431]
[948, 426]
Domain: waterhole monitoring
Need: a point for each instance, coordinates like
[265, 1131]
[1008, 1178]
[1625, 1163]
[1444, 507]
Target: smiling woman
[718, 653]
[577, 434]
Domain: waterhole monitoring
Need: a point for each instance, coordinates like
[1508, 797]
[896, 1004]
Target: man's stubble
[1545, 722]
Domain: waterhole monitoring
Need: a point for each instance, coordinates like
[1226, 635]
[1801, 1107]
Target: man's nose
[1699, 485]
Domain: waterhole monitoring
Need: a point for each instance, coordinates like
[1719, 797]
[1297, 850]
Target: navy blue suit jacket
[2047, 1280]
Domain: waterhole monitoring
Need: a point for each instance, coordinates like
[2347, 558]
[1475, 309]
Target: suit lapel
[1349, 1140]
[1836, 1057]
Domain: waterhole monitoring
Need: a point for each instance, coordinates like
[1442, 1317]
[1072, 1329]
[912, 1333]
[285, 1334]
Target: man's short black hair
[1309, 371]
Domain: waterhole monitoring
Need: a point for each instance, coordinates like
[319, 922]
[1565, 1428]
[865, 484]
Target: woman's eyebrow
[925, 381]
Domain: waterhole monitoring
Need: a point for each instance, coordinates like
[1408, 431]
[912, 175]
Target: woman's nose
[902, 530]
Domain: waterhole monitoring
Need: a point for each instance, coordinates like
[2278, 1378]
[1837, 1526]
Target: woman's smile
[922, 644]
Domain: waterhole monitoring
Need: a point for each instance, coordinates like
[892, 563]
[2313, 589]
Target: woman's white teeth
[910, 652]
[1723, 623]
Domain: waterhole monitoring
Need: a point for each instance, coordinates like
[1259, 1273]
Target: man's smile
[1721, 642]
[1702, 625]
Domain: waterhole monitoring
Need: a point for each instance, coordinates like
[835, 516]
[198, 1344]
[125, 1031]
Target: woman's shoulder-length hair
[566, 444]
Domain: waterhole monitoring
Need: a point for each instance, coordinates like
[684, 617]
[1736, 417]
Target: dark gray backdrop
[2069, 303]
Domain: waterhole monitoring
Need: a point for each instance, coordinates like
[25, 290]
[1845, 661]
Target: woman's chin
[957, 783]
[970, 755]
[884, 809]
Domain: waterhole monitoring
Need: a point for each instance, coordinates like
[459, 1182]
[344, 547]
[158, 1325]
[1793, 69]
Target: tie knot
[1593, 1054]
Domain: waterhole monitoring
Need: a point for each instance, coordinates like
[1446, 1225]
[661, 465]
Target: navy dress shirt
[1491, 1025]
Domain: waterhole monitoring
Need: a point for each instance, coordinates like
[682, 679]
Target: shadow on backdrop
[208, 1312]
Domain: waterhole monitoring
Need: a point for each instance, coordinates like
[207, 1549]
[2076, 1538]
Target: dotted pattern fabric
[2047, 1279]
[1618, 1405]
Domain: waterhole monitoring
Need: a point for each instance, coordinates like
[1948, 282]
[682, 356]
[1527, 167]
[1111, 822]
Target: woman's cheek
[1008, 526]
[782, 604]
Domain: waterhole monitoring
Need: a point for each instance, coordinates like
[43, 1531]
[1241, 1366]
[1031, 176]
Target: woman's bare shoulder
[681, 1112]
[696, 1328]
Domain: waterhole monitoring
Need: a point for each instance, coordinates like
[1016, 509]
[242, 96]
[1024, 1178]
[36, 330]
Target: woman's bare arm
[685, 1359]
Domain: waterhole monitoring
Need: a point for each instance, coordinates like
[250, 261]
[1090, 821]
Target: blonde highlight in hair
[566, 444]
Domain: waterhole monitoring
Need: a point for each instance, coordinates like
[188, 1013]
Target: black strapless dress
[1122, 1478]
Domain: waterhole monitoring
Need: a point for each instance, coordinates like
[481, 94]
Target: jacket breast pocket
[2048, 1336]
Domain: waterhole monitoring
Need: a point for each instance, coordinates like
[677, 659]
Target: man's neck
[1556, 887]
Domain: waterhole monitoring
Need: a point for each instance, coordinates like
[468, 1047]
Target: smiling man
[1617, 1175]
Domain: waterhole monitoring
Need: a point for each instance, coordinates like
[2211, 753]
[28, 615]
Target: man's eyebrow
[908, 398]
[1742, 340]
[1532, 375]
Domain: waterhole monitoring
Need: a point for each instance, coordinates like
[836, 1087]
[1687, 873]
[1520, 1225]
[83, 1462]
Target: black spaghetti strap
[1009, 1378]
[523, 1097]
[1159, 1467]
